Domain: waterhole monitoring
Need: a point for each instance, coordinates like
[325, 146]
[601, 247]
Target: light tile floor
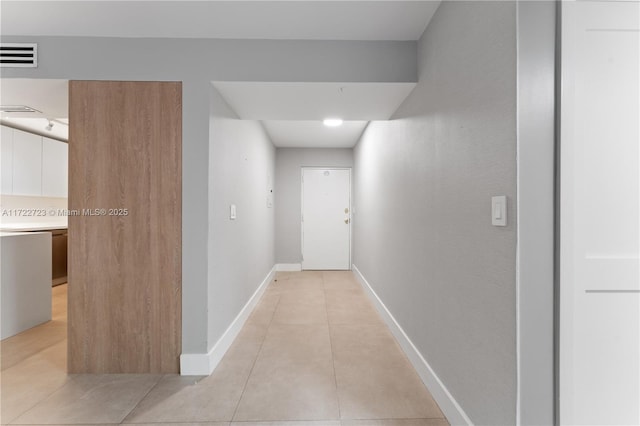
[314, 352]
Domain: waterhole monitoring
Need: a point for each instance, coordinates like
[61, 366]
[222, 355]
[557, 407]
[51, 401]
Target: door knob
[346, 221]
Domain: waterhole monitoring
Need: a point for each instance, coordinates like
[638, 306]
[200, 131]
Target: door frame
[302, 169]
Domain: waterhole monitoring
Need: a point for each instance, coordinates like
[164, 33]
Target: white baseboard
[288, 267]
[449, 406]
[204, 364]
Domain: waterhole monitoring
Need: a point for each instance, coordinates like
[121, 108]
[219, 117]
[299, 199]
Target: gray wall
[241, 251]
[423, 187]
[196, 63]
[288, 192]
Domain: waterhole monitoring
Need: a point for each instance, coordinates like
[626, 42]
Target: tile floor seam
[235, 411]
[51, 321]
[394, 418]
[284, 421]
[214, 422]
[333, 361]
[30, 356]
[142, 399]
[408, 360]
[10, 422]
[337, 326]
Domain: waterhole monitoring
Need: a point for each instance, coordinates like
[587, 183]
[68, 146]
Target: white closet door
[600, 214]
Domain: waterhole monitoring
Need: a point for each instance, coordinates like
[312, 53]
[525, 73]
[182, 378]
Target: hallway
[313, 351]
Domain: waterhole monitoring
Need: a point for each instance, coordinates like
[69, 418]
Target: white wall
[241, 251]
[423, 186]
[288, 184]
[196, 62]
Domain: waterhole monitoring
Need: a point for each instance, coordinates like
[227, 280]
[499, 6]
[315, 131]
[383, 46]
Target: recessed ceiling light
[333, 122]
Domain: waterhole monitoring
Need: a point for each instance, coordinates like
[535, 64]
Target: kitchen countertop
[16, 234]
[34, 226]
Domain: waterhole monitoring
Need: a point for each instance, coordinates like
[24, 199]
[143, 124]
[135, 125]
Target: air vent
[18, 108]
[19, 55]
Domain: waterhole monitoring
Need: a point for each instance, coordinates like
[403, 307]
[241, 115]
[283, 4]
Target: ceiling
[49, 97]
[293, 20]
[292, 113]
[313, 101]
[313, 134]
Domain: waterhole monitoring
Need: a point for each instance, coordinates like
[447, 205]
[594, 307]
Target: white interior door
[600, 214]
[326, 218]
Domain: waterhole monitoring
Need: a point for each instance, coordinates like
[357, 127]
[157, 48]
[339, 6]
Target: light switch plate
[232, 212]
[499, 210]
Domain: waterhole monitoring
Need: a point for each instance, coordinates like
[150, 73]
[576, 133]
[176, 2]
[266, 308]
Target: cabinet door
[27, 163]
[55, 174]
[6, 160]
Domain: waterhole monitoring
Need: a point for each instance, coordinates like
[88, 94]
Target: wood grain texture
[125, 301]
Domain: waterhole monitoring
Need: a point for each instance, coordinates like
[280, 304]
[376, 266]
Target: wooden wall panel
[125, 301]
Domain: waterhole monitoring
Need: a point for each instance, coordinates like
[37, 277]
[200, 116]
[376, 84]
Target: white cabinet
[27, 163]
[55, 165]
[33, 165]
[25, 277]
[6, 161]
